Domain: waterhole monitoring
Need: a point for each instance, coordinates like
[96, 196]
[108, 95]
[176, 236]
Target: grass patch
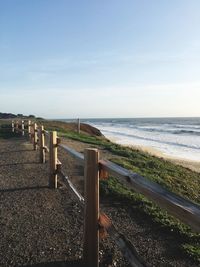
[192, 251]
[175, 178]
[115, 191]
[85, 138]
[6, 131]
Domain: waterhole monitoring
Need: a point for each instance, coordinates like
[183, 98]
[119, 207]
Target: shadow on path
[77, 263]
[12, 151]
[19, 163]
[24, 188]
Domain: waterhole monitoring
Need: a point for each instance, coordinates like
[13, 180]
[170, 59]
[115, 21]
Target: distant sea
[176, 137]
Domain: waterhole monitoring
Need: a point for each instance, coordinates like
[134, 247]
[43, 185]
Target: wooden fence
[97, 224]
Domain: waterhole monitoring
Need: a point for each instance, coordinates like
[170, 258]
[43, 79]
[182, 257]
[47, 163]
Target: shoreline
[190, 164]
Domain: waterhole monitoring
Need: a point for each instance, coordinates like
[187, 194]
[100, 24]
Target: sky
[106, 58]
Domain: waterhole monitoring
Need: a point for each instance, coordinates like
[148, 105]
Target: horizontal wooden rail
[47, 132]
[127, 248]
[46, 149]
[16, 126]
[71, 186]
[185, 210]
[78, 156]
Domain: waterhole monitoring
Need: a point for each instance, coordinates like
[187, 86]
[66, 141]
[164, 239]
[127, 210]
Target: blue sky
[132, 58]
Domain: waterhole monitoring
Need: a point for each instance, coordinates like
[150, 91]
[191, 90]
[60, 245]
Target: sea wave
[179, 137]
[114, 133]
[172, 131]
[190, 132]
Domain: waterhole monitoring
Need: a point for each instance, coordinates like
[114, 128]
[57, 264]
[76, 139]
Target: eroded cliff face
[90, 129]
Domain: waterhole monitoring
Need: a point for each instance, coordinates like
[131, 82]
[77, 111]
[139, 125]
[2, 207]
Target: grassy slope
[5, 130]
[173, 177]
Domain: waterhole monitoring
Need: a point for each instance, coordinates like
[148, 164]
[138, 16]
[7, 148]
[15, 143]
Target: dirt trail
[42, 227]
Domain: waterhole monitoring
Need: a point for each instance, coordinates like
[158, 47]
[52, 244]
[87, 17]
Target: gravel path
[42, 227]
[35, 222]
[39, 226]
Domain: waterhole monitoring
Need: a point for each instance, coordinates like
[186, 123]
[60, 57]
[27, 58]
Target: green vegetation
[5, 130]
[5, 134]
[86, 139]
[9, 116]
[173, 177]
[138, 204]
[192, 251]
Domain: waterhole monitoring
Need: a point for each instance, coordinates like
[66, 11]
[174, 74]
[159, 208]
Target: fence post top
[91, 149]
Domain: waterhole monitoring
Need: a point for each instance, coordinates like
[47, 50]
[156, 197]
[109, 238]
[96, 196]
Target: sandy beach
[193, 165]
[190, 164]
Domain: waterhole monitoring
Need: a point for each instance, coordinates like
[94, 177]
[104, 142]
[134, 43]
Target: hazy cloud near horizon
[100, 59]
[70, 103]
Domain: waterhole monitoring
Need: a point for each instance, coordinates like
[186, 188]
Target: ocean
[174, 137]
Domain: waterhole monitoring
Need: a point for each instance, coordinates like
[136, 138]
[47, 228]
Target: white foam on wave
[163, 139]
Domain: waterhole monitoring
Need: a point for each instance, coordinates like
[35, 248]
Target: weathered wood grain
[91, 208]
[185, 210]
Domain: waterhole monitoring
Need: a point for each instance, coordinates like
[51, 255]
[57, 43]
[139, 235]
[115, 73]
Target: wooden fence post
[22, 127]
[78, 126]
[35, 136]
[53, 160]
[29, 129]
[91, 212]
[17, 126]
[41, 144]
[13, 126]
